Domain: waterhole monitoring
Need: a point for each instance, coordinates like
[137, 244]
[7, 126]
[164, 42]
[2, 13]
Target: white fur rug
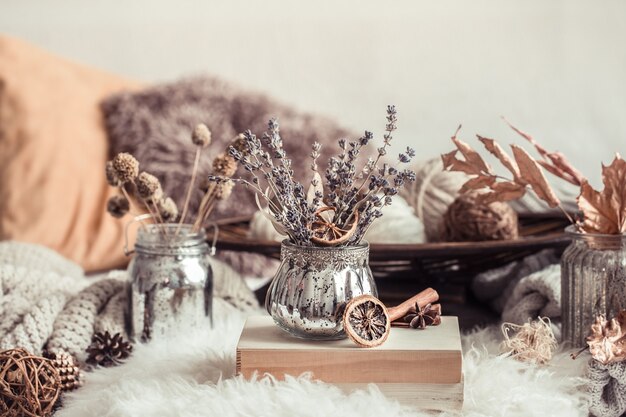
[191, 375]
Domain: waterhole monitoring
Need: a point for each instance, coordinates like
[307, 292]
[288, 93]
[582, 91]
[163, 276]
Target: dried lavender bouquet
[336, 209]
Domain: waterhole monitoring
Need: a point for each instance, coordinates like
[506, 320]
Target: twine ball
[431, 193]
[29, 385]
[466, 220]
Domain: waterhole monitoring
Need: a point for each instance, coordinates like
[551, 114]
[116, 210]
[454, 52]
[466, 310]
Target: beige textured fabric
[60, 310]
[53, 148]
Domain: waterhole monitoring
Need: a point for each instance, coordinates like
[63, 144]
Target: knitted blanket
[46, 301]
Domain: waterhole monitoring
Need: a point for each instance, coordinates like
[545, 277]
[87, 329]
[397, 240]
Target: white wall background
[556, 68]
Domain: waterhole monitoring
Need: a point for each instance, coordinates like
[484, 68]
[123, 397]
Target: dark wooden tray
[451, 261]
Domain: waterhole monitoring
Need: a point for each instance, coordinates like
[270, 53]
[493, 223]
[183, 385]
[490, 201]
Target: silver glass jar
[309, 292]
[593, 282]
[171, 281]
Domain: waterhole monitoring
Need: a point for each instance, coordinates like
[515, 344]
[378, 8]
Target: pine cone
[68, 369]
[106, 350]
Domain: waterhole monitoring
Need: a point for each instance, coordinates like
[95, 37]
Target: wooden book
[417, 367]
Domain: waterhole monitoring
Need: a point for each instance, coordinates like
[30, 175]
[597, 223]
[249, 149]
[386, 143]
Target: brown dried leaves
[553, 162]
[531, 174]
[605, 211]
[525, 170]
[606, 342]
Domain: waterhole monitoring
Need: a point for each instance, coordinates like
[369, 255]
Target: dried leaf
[606, 341]
[472, 157]
[496, 150]
[477, 183]
[605, 212]
[559, 172]
[560, 165]
[452, 163]
[503, 191]
[531, 173]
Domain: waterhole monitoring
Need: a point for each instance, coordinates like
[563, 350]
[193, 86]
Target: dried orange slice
[366, 321]
[326, 233]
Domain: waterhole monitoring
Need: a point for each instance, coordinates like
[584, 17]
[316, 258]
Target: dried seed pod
[148, 186]
[126, 167]
[118, 206]
[111, 175]
[224, 190]
[239, 144]
[201, 135]
[224, 165]
[168, 209]
[366, 321]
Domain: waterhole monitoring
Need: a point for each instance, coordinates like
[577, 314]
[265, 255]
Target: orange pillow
[53, 149]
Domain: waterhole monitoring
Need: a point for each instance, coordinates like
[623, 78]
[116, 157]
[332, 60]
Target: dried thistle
[126, 167]
[148, 187]
[118, 206]
[201, 136]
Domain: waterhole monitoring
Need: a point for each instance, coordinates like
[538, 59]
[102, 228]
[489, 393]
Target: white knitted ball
[432, 192]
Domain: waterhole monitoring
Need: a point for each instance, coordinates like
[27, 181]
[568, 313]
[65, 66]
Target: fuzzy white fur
[191, 375]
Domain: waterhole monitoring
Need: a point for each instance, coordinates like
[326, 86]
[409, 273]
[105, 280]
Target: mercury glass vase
[309, 292]
[171, 282]
[593, 282]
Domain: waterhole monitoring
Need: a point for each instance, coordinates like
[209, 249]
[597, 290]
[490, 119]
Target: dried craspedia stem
[366, 322]
[148, 186]
[201, 135]
[223, 190]
[224, 165]
[126, 167]
[118, 206]
[111, 175]
[168, 210]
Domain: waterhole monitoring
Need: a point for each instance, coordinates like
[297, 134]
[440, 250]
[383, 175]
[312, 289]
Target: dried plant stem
[190, 188]
[205, 200]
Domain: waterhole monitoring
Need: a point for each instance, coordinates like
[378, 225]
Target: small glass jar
[593, 282]
[309, 292]
[171, 281]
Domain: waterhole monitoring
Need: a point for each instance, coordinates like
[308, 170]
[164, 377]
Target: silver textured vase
[310, 290]
[171, 281]
[593, 282]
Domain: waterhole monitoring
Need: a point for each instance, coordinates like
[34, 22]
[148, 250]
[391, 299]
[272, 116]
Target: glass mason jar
[593, 282]
[310, 290]
[171, 281]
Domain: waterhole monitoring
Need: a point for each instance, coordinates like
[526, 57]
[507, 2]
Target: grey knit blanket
[46, 301]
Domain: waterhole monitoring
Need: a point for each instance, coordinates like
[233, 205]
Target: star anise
[419, 318]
